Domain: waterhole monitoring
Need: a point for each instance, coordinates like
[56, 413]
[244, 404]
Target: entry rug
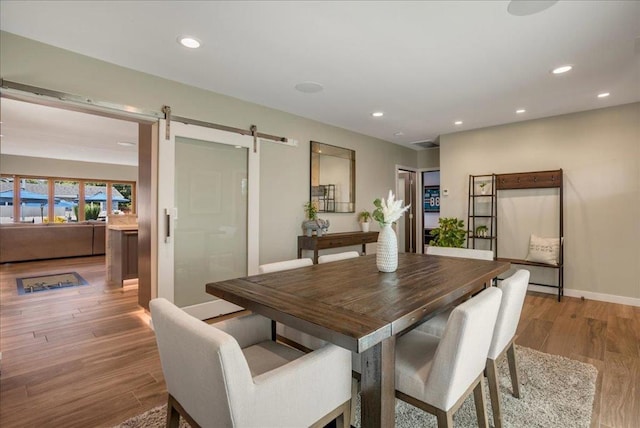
[556, 392]
[49, 282]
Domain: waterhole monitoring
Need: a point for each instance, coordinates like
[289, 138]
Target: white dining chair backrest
[213, 355]
[514, 290]
[467, 253]
[338, 256]
[462, 351]
[284, 265]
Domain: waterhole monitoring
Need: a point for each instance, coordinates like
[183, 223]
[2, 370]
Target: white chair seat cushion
[266, 356]
[414, 357]
[435, 326]
[297, 336]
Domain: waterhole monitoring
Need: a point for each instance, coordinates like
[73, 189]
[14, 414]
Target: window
[6, 200]
[66, 193]
[61, 200]
[34, 200]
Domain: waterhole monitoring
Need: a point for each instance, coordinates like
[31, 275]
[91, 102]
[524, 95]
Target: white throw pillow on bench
[543, 250]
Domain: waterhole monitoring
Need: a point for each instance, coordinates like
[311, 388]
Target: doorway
[49, 137]
[406, 189]
[431, 202]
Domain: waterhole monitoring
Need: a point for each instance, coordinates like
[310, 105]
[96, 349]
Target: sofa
[24, 242]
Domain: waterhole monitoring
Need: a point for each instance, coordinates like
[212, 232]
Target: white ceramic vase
[387, 250]
[364, 226]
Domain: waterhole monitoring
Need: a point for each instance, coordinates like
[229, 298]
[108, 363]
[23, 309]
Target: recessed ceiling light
[562, 69]
[377, 114]
[520, 111]
[457, 122]
[528, 7]
[604, 95]
[238, 147]
[398, 134]
[189, 42]
[309, 87]
[126, 143]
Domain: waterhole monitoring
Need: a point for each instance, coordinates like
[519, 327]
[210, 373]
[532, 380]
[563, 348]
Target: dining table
[351, 304]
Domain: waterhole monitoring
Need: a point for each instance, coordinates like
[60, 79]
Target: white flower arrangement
[388, 211]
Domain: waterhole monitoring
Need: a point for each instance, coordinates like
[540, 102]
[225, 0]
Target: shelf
[482, 213]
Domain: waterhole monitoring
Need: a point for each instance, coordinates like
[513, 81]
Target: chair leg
[513, 369]
[445, 419]
[173, 417]
[494, 392]
[481, 410]
[344, 420]
[354, 396]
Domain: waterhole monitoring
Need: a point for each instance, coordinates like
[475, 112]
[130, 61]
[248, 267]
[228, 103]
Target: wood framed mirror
[333, 178]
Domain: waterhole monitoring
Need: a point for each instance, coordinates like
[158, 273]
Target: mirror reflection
[333, 172]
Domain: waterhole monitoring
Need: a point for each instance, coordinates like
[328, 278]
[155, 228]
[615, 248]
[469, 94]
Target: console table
[334, 240]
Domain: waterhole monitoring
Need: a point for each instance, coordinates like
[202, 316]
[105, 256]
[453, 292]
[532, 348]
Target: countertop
[123, 226]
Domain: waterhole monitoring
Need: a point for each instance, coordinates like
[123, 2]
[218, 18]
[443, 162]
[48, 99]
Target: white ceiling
[41, 131]
[424, 64]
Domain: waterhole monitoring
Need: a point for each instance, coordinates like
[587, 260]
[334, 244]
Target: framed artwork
[431, 199]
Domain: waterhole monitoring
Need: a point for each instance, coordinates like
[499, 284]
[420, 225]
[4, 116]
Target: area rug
[49, 282]
[556, 392]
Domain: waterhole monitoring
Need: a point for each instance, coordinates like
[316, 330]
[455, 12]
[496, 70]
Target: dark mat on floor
[33, 284]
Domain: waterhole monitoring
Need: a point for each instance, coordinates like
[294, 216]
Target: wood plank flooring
[76, 357]
[85, 356]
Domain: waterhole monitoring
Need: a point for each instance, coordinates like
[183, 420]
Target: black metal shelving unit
[482, 211]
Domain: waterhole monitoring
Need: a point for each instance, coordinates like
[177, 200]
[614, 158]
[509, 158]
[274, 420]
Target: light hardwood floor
[85, 356]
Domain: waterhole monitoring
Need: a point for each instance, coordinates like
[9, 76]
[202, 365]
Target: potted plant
[482, 231]
[483, 187]
[449, 233]
[364, 217]
[311, 210]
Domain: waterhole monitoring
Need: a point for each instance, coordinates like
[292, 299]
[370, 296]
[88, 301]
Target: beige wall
[599, 151]
[26, 165]
[429, 158]
[284, 170]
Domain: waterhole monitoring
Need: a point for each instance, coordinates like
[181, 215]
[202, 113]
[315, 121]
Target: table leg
[378, 385]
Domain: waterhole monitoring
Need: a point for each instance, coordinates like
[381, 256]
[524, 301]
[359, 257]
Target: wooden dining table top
[353, 305]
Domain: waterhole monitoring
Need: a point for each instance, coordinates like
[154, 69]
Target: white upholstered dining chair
[288, 334]
[514, 290]
[467, 253]
[437, 374]
[284, 265]
[327, 258]
[231, 374]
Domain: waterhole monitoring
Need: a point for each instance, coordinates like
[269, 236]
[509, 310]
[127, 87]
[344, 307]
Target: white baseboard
[602, 297]
[207, 310]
